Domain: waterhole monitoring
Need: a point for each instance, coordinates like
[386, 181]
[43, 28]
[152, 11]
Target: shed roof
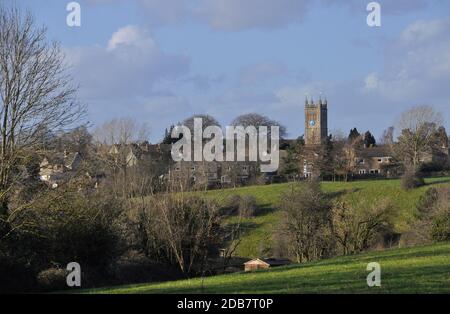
[269, 261]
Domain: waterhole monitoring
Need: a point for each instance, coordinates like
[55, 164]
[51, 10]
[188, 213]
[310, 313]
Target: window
[177, 168]
[380, 160]
[362, 171]
[193, 168]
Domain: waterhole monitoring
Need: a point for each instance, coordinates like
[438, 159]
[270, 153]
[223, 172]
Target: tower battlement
[316, 121]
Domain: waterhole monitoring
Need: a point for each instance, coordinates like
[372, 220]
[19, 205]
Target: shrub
[15, 274]
[434, 215]
[181, 231]
[306, 222]
[78, 228]
[248, 206]
[52, 279]
[135, 267]
[232, 204]
[61, 226]
[440, 230]
[358, 228]
[411, 180]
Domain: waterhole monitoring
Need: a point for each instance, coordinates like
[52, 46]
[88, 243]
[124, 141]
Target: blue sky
[160, 61]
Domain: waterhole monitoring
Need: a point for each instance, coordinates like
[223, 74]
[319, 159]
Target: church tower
[316, 122]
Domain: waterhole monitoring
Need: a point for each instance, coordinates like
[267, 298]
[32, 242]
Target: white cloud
[237, 15]
[417, 63]
[131, 36]
[234, 15]
[166, 11]
[371, 82]
[389, 7]
[130, 64]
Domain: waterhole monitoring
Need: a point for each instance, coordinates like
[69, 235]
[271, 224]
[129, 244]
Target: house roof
[378, 151]
[256, 261]
[60, 159]
[269, 261]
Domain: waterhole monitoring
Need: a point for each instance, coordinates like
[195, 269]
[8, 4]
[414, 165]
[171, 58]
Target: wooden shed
[264, 263]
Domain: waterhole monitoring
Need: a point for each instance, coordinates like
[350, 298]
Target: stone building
[375, 161]
[316, 122]
[365, 161]
[58, 168]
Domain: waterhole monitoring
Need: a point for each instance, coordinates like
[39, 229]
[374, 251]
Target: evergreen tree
[369, 140]
[354, 134]
[292, 167]
[168, 136]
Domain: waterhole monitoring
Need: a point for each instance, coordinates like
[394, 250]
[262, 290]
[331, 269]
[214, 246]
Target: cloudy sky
[160, 61]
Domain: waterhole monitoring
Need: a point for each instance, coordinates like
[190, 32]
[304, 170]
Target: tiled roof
[379, 151]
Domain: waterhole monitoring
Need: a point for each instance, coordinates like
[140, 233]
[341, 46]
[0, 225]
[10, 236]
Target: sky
[161, 61]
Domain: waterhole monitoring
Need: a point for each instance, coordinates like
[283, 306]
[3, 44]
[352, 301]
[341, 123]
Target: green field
[409, 270]
[259, 230]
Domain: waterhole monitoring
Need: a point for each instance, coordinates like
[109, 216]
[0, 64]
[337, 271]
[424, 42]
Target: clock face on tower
[312, 123]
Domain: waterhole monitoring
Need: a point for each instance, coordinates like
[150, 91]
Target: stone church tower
[316, 122]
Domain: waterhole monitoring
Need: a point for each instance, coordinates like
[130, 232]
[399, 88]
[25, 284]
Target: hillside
[409, 270]
[259, 230]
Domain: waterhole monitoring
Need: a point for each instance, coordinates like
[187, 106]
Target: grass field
[409, 270]
[259, 230]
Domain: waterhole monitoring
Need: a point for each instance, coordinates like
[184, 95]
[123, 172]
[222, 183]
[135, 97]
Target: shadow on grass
[265, 209]
[414, 279]
[246, 226]
[380, 256]
[337, 194]
[441, 181]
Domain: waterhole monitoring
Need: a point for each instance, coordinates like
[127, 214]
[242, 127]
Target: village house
[58, 168]
[375, 161]
[214, 174]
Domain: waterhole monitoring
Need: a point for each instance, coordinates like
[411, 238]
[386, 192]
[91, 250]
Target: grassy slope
[259, 230]
[409, 270]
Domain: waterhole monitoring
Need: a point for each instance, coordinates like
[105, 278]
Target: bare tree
[181, 230]
[419, 128]
[356, 230]
[344, 155]
[388, 136]
[121, 131]
[306, 222]
[36, 93]
[207, 121]
[257, 120]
